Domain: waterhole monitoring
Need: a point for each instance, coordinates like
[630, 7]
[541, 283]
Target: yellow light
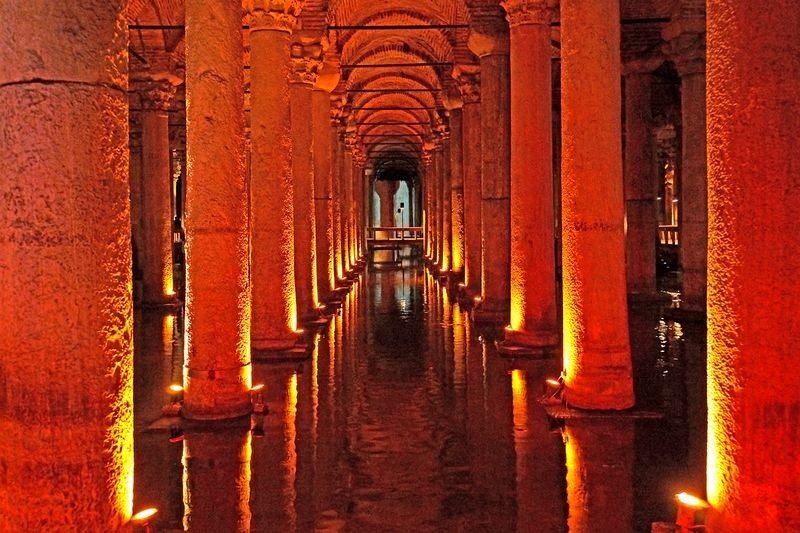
[477, 299]
[691, 501]
[553, 382]
[144, 516]
[299, 331]
[175, 388]
[257, 388]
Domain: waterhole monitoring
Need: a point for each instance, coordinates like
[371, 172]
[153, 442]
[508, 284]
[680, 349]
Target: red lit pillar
[597, 357]
[489, 40]
[447, 207]
[66, 355]
[305, 62]
[754, 255]
[271, 189]
[639, 165]
[336, 195]
[469, 85]
[386, 191]
[347, 196]
[427, 185]
[217, 372]
[456, 186]
[436, 204]
[533, 276]
[323, 186]
[685, 38]
[156, 207]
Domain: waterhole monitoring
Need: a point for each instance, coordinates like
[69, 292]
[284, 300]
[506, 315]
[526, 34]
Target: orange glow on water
[519, 390]
[290, 472]
[575, 486]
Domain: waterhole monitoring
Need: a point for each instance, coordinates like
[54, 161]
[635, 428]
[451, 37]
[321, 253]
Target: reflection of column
[753, 403]
[305, 63]
[685, 38]
[533, 276]
[469, 85]
[66, 360]
[456, 188]
[323, 184]
[640, 184]
[272, 225]
[156, 245]
[600, 458]
[217, 362]
[488, 39]
[216, 490]
[597, 356]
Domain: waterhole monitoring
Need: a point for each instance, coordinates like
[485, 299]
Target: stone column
[305, 62]
[446, 207]
[66, 356]
[217, 372]
[641, 219]
[427, 193]
[271, 187]
[469, 85]
[456, 187]
[135, 181]
[685, 38]
[754, 257]
[386, 191]
[336, 195]
[597, 357]
[347, 196]
[156, 208]
[534, 319]
[489, 40]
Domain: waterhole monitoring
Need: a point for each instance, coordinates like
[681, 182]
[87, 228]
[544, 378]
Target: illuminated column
[436, 203]
[469, 85]
[271, 185]
[386, 191]
[446, 206]
[323, 179]
[216, 479]
[66, 357]
[456, 187]
[754, 255]
[685, 46]
[359, 173]
[427, 185]
[639, 166]
[156, 207]
[597, 358]
[135, 181]
[489, 40]
[305, 62]
[533, 278]
[343, 211]
[347, 207]
[217, 371]
[336, 196]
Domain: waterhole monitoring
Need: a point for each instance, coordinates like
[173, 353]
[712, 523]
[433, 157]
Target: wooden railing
[668, 235]
[394, 236]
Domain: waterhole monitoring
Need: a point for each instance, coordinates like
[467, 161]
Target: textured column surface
[304, 67]
[323, 185]
[337, 192]
[217, 372]
[489, 40]
[447, 207]
[347, 206]
[754, 257]
[470, 90]
[427, 193]
[66, 360]
[597, 356]
[271, 186]
[640, 187]
[156, 245]
[456, 191]
[533, 276]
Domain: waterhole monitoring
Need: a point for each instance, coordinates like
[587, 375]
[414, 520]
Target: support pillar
[469, 85]
[347, 207]
[597, 358]
[456, 187]
[534, 319]
[446, 207]
[337, 197]
[753, 469]
[217, 371]
[66, 355]
[489, 40]
[272, 195]
[156, 208]
[427, 193]
[305, 62]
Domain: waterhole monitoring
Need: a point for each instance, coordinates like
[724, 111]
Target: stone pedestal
[597, 357]
[533, 277]
[272, 188]
[217, 372]
[754, 257]
[66, 355]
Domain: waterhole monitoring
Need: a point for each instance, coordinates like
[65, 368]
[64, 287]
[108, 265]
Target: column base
[468, 296]
[543, 344]
[681, 314]
[605, 388]
[488, 312]
[268, 346]
[238, 421]
[167, 303]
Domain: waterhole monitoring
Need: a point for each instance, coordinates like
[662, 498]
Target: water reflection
[403, 419]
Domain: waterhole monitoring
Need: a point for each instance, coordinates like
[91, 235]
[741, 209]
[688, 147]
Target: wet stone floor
[407, 419]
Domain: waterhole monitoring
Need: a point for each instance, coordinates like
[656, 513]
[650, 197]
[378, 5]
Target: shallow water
[405, 420]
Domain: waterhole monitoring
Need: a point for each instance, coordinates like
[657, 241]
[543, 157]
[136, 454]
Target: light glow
[144, 517]
[175, 388]
[693, 502]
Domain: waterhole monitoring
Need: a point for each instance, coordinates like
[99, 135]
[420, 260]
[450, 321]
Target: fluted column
[456, 187]
[754, 257]
[217, 372]
[533, 276]
[597, 357]
[271, 189]
[469, 85]
[156, 208]
[66, 355]
[489, 40]
[305, 62]
[685, 38]
[641, 219]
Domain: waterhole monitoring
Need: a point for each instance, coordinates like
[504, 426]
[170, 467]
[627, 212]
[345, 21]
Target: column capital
[329, 74]
[524, 12]
[305, 61]
[685, 44]
[488, 31]
[157, 94]
[469, 84]
[452, 98]
[275, 15]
